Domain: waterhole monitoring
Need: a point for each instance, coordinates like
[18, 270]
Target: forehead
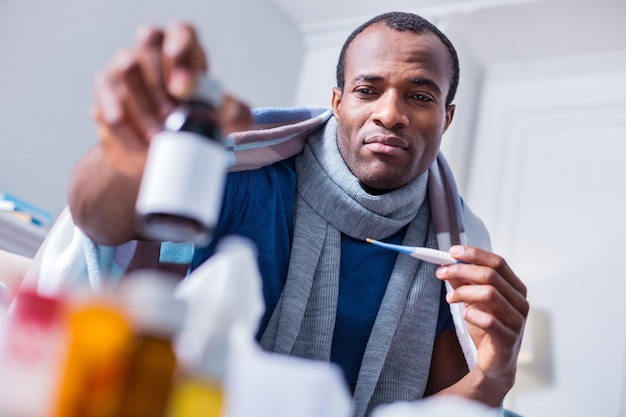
[380, 49]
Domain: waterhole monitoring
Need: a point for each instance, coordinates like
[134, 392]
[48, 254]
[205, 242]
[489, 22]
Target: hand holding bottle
[133, 95]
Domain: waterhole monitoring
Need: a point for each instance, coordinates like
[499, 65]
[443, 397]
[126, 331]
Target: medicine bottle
[199, 388]
[156, 316]
[183, 182]
[97, 358]
[32, 352]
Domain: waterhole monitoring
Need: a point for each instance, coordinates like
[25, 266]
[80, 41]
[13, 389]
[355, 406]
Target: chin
[378, 186]
[381, 175]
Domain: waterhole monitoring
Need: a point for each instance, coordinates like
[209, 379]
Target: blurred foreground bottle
[93, 376]
[199, 386]
[156, 317]
[32, 352]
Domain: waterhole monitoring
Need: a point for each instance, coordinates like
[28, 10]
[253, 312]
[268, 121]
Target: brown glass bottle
[156, 316]
[183, 181]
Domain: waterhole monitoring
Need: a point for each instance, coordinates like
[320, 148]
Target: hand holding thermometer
[434, 256]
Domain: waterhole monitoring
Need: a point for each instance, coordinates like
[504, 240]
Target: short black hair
[402, 21]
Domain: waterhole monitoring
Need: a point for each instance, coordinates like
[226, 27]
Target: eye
[422, 97]
[364, 91]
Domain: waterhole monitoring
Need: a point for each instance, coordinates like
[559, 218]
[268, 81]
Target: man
[365, 173]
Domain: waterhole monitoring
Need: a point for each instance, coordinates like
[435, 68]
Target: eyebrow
[416, 81]
[426, 82]
[366, 77]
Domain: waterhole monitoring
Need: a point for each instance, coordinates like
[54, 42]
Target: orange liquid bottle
[92, 380]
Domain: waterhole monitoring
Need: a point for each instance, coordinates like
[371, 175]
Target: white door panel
[548, 177]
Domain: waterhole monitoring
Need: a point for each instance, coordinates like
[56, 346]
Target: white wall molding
[557, 65]
[332, 31]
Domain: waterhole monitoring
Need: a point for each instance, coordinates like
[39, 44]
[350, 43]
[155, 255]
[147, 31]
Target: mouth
[388, 145]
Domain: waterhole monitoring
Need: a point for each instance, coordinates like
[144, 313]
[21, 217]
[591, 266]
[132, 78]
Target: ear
[336, 101]
[449, 116]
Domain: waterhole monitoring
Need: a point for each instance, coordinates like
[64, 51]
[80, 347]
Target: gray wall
[50, 51]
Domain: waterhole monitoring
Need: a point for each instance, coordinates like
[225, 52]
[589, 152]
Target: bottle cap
[29, 305]
[150, 302]
[209, 89]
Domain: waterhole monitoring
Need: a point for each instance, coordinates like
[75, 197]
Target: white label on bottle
[184, 176]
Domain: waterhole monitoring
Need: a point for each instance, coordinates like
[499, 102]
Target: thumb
[234, 115]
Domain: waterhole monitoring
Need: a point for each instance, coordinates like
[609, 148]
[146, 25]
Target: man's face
[392, 111]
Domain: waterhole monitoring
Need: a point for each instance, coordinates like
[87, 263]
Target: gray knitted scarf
[330, 201]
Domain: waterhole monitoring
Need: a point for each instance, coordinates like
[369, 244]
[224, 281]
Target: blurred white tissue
[225, 302]
[440, 406]
[223, 295]
[266, 384]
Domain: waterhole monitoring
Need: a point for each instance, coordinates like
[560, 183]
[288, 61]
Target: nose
[390, 111]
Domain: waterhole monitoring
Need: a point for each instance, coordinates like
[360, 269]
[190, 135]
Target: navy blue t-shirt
[259, 204]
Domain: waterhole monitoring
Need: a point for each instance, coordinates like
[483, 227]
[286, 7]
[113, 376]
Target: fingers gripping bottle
[183, 181]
